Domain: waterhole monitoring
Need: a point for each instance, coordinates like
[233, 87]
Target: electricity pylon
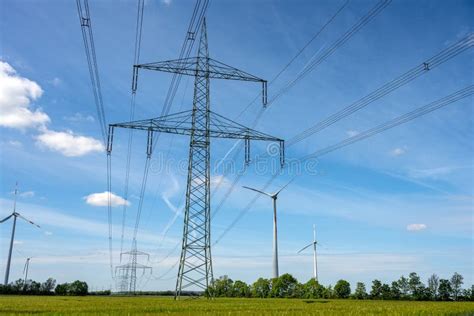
[14, 214]
[274, 197]
[201, 124]
[127, 273]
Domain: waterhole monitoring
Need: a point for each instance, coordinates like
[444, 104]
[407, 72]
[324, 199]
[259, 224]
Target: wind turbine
[15, 214]
[274, 197]
[25, 269]
[315, 262]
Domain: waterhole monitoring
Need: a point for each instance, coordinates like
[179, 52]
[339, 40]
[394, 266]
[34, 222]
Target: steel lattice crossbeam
[195, 268]
[181, 123]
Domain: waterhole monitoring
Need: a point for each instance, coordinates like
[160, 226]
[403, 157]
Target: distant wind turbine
[14, 215]
[274, 197]
[315, 262]
[25, 271]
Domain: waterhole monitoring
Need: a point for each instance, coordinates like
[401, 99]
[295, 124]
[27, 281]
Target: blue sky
[362, 199]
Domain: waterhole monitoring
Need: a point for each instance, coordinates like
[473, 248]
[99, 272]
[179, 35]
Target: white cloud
[18, 242]
[79, 117]
[415, 227]
[27, 194]
[16, 95]
[167, 2]
[352, 133]
[102, 199]
[398, 151]
[68, 144]
[48, 233]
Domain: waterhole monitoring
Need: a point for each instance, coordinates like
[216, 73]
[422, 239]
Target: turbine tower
[274, 197]
[315, 262]
[14, 214]
[201, 124]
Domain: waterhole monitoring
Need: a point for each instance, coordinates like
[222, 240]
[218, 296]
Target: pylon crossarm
[187, 66]
[184, 66]
[181, 123]
[190, 67]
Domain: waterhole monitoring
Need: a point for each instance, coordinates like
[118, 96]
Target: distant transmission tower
[200, 123]
[126, 274]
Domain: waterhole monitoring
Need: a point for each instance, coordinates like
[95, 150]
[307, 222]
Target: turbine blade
[6, 218]
[249, 188]
[25, 219]
[305, 247]
[292, 179]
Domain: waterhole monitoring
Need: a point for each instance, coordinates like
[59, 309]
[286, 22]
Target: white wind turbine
[15, 214]
[274, 197]
[315, 262]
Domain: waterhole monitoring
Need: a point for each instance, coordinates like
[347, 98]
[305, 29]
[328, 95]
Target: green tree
[342, 289]
[416, 286]
[241, 289]
[360, 292]
[284, 286]
[222, 287]
[433, 284]
[444, 290]
[78, 288]
[48, 286]
[17, 286]
[61, 289]
[404, 286]
[376, 292]
[395, 290]
[385, 292]
[328, 292]
[312, 289]
[261, 288]
[34, 287]
[456, 283]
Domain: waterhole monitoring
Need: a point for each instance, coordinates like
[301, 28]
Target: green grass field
[57, 305]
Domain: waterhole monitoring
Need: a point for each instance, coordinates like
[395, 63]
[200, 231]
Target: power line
[262, 110]
[331, 49]
[431, 63]
[302, 49]
[136, 58]
[89, 46]
[454, 97]
[417, 71]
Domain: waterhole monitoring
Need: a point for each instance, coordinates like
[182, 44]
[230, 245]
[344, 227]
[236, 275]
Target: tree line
[49, 287]
[405, 288]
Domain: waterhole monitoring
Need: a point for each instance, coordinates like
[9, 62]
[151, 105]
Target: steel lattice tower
[201, 124]
[126, 274]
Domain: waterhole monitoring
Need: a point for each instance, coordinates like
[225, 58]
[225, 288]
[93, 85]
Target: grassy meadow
[91, 305]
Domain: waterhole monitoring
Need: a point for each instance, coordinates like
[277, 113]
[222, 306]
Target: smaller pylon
[126, 274]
